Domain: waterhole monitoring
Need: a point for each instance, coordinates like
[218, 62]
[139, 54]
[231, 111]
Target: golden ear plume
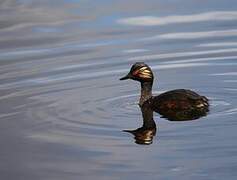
[144, 72]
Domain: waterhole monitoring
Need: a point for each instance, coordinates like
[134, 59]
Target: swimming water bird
[178, 104]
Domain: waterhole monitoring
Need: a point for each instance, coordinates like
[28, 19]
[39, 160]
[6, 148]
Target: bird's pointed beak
[125, 77]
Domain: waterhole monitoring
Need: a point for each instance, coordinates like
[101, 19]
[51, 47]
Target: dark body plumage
[179, 104]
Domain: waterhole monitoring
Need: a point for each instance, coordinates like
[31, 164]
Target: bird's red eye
[134, 73]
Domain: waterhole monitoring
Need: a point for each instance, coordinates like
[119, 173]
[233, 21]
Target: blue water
[63, 107]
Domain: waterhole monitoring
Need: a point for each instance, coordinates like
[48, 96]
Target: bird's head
[139, 72]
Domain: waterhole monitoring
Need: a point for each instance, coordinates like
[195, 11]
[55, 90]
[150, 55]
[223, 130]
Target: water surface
[63, 107]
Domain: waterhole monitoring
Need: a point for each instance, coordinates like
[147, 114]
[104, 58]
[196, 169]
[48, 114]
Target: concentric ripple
[63, 107]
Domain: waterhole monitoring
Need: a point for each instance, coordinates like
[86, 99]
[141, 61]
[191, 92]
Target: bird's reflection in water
[184, 115]
[144, 135]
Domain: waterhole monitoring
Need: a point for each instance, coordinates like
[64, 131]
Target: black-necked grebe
[178, 104]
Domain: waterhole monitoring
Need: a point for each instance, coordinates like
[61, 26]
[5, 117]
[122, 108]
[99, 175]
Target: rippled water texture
[63, 107]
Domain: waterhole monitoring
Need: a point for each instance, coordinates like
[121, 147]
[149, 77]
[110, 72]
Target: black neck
[146, 92]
